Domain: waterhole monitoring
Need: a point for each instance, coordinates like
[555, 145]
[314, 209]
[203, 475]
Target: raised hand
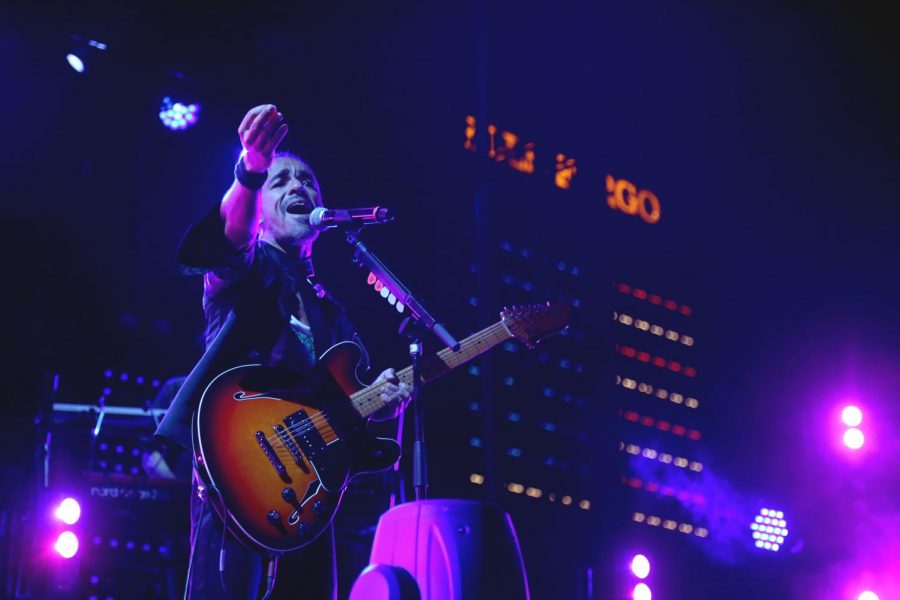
[260, 132]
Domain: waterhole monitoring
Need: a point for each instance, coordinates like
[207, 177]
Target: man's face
[289, 194]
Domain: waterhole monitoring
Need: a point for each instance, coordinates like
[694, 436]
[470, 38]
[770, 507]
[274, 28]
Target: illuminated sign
[624, 196]
[504, 147]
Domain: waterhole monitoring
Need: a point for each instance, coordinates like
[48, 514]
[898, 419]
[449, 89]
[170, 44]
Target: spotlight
[867, 595]
[66, 544]
[769, 530]
[641, 592]
[68, 511]
[178, 116]
[82, 51]
[640, 566]
[854, 438]
[75, 62]
[851, 416]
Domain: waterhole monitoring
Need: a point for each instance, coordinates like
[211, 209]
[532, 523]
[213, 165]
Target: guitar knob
[289, 496]
[274, 517]
[319, 507]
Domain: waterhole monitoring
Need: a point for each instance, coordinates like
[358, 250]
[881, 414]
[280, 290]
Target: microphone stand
[413, 326]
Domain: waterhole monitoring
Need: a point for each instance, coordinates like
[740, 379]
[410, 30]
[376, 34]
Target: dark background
[768, 130]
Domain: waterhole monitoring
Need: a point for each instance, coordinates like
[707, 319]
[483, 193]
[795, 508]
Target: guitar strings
[369, 394]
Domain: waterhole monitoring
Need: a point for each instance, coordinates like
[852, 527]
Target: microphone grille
[316, 218]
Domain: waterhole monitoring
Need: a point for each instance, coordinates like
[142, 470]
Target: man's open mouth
[298, 207]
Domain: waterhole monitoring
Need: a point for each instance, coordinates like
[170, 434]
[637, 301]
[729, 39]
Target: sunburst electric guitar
[277, 447]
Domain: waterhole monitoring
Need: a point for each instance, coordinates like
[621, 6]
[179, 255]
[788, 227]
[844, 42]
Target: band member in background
[263, 305]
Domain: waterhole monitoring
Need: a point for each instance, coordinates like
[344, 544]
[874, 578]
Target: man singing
[262, 305]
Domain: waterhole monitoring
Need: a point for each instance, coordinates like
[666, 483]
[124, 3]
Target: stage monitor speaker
[444, 550]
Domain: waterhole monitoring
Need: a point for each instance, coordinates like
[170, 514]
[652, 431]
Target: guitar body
[279, 448]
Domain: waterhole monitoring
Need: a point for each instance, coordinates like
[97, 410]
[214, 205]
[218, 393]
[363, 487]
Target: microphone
[325, 218]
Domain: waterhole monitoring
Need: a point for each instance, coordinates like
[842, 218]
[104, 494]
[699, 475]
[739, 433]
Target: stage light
[769, 530]
[178, 116]
[867, 595]
[66, 544]
[851, 416]
[854, 438]
[75, 62]
[82, 51]
[640, 566]
[68, 511]
[641, 592]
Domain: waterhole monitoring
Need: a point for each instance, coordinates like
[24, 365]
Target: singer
[263, 305]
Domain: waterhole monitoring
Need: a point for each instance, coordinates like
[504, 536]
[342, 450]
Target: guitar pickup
[269, 451]
[288, 442]
[305, 433]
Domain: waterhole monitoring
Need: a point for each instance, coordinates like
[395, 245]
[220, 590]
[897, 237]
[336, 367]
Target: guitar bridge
[269, 451]
[292, 447]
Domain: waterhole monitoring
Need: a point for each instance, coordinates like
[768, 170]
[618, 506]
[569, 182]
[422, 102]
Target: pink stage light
[640, 566]
[854, 438]
[68, 511]
[642, 592]
[867, 595]
[66, 544]
[851, 416]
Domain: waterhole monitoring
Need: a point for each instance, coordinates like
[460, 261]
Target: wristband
[251, 181]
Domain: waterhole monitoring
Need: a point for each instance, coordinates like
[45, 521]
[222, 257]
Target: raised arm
[260, 133]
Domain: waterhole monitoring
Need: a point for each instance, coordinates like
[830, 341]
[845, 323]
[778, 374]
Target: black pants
[306, 574]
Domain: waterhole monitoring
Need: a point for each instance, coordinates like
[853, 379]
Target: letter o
[653, 215]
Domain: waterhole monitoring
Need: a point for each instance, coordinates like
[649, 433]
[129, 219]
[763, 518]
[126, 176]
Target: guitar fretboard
[368, 401]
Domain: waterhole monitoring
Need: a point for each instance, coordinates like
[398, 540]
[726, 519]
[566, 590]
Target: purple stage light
[854, 438]
[769, 530]
[851, 416]
[641, 592]
[867, 595]
[66, 544]
[75, 62]
[178, 116]
[640, 566]
[68, 511]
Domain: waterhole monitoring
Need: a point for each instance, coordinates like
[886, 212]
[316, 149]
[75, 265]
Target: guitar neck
[368, 401]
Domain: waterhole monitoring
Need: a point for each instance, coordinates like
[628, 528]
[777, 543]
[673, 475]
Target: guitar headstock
[533, 322]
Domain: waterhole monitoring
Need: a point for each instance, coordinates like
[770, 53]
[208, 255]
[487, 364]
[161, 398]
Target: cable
[224, 513]
[194, 534]
[271, 572]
